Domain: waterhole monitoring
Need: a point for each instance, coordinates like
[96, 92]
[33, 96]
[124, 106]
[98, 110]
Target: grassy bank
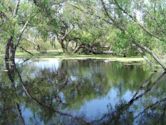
[61, 55]
[50, 55]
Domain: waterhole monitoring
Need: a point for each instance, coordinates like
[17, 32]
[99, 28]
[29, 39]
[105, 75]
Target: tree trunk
[63, 46]
[10, 50]
[9, 59]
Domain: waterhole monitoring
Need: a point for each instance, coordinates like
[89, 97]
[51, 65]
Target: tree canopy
[87, 26]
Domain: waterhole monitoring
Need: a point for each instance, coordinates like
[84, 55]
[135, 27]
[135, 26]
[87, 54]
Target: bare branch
[144, 48]
[26, 50]
[16, 8]
[21, 33]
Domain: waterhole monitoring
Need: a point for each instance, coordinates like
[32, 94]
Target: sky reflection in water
[88, 89]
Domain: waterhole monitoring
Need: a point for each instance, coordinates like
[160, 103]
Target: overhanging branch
[144, 48]
[140, 25]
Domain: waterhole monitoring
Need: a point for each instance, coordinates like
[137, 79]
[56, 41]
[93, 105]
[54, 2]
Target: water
[78, 92]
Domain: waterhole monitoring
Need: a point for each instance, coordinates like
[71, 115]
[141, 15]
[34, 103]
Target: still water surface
[80, 92]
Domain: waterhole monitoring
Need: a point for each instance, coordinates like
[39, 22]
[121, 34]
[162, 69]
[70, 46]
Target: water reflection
[78, 92]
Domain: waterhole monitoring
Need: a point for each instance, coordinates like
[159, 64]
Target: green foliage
[76, 23]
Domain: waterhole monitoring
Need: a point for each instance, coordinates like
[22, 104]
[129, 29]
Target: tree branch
[16, 8]
[140, 25]
[97, 16]
[26, 50]
[21, 33]
[144, 48]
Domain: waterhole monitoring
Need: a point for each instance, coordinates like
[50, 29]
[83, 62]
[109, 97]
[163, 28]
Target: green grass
[61, 55]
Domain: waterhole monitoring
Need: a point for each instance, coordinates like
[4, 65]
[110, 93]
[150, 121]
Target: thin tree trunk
[63, 46]
[77, 49]
[10, 50]
[9, 59]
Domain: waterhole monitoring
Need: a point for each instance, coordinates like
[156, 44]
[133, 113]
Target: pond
[81, 92]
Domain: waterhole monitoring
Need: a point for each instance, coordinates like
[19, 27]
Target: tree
[16, 19]
[132, 24]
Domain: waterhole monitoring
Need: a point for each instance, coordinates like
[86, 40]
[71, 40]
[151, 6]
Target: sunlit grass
[61, 55]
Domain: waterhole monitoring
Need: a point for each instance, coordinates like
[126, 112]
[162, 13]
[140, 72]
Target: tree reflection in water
[81, 92]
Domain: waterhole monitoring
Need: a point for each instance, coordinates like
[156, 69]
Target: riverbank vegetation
[108, 27]
[76, 75]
